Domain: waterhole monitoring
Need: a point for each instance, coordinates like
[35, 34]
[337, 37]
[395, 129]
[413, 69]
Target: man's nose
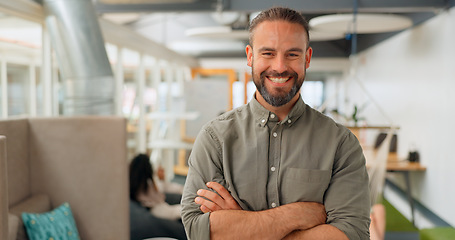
[279, 64]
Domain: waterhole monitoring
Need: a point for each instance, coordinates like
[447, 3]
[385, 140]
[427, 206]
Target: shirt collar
[262, 115]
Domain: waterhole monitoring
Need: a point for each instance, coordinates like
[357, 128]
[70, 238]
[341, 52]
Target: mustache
[277, 74]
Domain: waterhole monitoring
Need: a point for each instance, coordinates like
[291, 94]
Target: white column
[56, 84]
[156, 81]
[168, 77]
[32, 89]
[4, 82]
[156, 155]
[119, 81]
[46, 73]
[141, 130]
[180, 79]
[170, 153]
[187, 73]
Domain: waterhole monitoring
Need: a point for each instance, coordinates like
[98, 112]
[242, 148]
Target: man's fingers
[206, 205]
[210, 196]
[228, 201]
[205, 209]
[220, 190]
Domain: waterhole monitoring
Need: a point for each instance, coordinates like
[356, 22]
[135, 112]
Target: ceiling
[173, 22]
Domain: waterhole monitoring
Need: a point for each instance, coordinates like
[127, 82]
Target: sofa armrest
[13, 226]
[3, 190]
[38, 203]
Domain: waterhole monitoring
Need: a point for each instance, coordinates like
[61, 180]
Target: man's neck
[281, 111]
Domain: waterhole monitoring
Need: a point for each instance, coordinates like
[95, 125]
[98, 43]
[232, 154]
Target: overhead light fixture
[225, 18]
[366, 23]
[144, 1]
[121, 18]
[224, 32]
[200, 47]
[317, 36]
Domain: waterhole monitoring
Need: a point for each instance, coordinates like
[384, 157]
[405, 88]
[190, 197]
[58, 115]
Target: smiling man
[276, 168]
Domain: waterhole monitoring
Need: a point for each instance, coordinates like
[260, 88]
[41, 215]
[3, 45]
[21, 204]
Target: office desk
[404, 167]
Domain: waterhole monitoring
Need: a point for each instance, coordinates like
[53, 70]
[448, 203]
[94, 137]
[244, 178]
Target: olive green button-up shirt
[265, 163]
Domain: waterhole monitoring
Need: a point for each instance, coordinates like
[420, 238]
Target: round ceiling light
[316, 36]
[217, 32]
[226, 18]
[366, 23]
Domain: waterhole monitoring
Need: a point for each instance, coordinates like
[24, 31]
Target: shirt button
[274, 134]
[273, 169]
[289, 121]
[272, 115]
[273, 204]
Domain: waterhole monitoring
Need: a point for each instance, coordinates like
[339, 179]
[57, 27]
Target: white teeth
[278, 80]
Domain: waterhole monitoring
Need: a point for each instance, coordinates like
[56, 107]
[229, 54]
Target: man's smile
[279, 79]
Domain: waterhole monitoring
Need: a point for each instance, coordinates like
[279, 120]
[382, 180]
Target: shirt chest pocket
[304, 185]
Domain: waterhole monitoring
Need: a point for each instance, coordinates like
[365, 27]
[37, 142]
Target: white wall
[412, 76]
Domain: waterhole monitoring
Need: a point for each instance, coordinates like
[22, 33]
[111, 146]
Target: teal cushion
[56, 224]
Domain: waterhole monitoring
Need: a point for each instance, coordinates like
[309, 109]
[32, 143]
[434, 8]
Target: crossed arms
[225, 214]
[301, 220]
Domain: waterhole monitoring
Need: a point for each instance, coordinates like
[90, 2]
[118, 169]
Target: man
[275, 168]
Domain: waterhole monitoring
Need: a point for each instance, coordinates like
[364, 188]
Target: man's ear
[308, 54]
[249, 55]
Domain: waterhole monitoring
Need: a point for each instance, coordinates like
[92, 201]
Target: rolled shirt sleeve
[203, 167]
[347, 198]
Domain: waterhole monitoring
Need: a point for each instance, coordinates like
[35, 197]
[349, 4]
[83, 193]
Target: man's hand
[214, 202]
[314, 214]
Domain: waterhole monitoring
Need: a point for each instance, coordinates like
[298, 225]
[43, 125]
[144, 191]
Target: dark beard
[278, 100]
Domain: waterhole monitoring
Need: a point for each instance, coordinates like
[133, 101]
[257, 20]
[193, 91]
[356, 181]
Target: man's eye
[293, 55]
[267, 54]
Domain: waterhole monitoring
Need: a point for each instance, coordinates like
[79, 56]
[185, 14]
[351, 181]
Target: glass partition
[20, 47]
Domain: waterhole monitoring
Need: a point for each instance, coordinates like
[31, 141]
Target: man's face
[279, 59]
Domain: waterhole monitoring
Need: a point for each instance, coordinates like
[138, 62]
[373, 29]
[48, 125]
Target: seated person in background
[173, 191]
[151, 212]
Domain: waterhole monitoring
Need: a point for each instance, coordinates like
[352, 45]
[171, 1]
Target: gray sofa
[45, 162]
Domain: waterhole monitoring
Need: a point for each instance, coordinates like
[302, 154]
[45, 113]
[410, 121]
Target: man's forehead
[269, 30]
[279, 30]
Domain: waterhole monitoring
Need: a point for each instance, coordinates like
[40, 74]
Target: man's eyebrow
[295, 50]
[266, 49]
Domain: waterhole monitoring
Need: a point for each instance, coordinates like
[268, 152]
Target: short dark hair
[275, 14]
